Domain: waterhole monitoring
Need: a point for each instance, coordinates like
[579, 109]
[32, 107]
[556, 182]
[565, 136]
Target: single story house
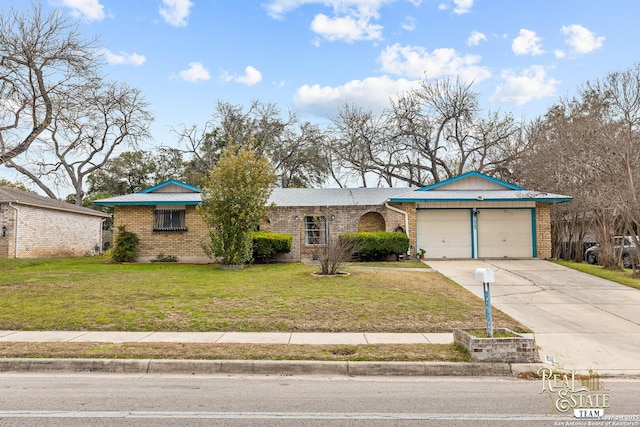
[33, 226]
[469, 216]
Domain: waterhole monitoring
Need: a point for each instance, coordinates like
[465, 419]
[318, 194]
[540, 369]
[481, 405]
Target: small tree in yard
[126, 246]
[334, 253]
[234, 200]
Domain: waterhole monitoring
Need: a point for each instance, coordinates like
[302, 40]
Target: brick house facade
[166, 222]
[33, 226]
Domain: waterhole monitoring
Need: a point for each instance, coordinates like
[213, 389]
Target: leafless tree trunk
[43, 61]
[429, 134]
[83, 135]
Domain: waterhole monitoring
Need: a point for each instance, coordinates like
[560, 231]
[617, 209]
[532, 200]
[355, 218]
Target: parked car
[623, 245]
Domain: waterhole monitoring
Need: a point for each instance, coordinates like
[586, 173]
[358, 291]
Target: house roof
[279, 196]
[472, 186]
[480, 196]
[171, 192]
[477, 187]
[13, 195]
[334, 196]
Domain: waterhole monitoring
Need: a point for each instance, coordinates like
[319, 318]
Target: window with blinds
[169, 220]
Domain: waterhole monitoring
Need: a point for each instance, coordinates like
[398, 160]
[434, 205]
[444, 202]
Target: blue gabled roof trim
[169, 182]
[466, 175]
[150, 203]
[526, 199]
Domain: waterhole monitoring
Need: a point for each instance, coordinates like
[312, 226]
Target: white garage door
[505, 233]
[444, 233]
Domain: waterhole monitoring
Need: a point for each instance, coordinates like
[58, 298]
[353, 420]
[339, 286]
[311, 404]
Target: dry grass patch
[404, 352]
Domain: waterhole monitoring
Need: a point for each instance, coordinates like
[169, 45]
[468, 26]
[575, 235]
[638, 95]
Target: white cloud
[351, 19]
[416, 62]
[462, 6]
[175, 12]
[372, 92]
[559, 53]
[581, 39]
[409, 23]
[527, 43]
[251, 77]
[91, 10]
[475, 38]
[196, 72]
[346, 28]
[123, 58]
[531, 84]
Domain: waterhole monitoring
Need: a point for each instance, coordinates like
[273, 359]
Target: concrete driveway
[580, 321]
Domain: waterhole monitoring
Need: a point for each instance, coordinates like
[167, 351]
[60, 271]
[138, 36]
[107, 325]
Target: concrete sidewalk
[312, 338]
[255, 367]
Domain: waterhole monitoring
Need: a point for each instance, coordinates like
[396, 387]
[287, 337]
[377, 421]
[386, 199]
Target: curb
[266, 367]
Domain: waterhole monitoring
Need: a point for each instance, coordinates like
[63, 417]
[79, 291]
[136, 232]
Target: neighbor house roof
[13, 195]
[476, 187]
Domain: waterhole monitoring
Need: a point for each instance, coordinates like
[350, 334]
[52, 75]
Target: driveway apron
[580, 322]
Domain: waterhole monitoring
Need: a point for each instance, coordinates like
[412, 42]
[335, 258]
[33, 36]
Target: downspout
[406, 218]
[15, 230]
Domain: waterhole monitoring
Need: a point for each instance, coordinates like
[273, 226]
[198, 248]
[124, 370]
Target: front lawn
[622, 276]
[90, 294]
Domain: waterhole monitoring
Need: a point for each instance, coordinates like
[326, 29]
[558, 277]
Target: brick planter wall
[514, 350]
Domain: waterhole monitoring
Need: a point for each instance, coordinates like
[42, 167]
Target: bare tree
[43, 60]
[431, 133]
[85, 131]
[589, 147]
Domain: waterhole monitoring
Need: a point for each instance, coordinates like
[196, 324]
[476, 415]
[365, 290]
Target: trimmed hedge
[267, 245]
[377, 245]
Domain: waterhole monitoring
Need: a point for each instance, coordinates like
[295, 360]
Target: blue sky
[314, 56]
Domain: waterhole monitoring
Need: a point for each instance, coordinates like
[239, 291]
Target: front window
[169, 220]
[315, 228]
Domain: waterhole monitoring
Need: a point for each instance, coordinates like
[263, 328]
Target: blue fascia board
[145, 203]
[528, 199]
[468, 174]
[169, 182]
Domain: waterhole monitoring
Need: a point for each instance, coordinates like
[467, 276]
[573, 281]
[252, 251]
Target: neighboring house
[32, 226]
[469, 216]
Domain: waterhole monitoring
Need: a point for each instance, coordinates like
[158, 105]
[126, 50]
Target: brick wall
[340, 220]
[371, 221]
[46, 232]
[543, 230]
[186, 245]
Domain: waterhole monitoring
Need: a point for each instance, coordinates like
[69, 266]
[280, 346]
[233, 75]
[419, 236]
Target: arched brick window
[371, 221]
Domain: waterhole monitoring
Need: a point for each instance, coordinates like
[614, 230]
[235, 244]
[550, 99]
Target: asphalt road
[175, 400]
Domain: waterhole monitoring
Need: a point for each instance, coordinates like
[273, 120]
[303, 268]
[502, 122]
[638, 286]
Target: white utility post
[486, 276]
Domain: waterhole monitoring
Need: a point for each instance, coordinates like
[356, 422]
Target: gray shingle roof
[334, 196]
[279, 196]
[13, 195]
[154, 198]
[480, 195]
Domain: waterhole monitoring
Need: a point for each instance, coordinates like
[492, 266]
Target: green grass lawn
[623, 276]
[91, 294]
